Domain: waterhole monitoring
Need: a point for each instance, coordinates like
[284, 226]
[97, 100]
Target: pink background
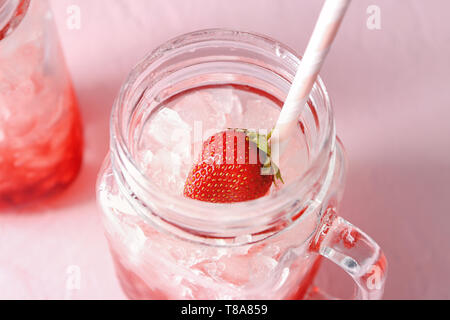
[391, 95]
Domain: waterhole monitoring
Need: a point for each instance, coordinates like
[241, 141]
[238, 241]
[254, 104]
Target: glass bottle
[40, 126]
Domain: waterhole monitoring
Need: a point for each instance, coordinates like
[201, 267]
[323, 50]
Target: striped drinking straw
[319, 45]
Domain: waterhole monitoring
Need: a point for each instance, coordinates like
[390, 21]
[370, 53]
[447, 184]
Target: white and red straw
[319, 45]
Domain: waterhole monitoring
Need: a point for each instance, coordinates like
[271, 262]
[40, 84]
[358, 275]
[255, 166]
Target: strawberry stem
[262, 143]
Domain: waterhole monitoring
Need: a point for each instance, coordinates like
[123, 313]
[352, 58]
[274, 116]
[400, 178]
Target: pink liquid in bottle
[40, 128]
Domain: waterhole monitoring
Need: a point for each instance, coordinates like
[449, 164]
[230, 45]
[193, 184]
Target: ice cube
[20, 64]
[199, 107]
[262, 268]
[283, 277]
[147, 158]
[272, 250]
[165, 149]
[130, 234]
[136, 241]
[178, 253]
[243, 248]
[5, 113]
[226, 101]
[211, 269]
[168, 128]
[260, 114]
[165, 170]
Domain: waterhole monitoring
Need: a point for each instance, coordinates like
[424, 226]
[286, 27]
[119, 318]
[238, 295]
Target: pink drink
[189, 118]
[167, 246]
[40, 129]
[189, 271]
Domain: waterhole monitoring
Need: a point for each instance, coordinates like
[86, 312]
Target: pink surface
[392, 105]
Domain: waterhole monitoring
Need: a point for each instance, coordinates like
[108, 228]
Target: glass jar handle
[355, 252]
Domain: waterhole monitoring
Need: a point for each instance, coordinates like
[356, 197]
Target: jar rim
[184, 207]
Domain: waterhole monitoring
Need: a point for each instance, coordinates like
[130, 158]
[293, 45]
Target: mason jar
[40, 127]
[166, 246]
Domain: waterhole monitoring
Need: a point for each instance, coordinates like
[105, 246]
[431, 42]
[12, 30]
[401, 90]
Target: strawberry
[230, 169]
